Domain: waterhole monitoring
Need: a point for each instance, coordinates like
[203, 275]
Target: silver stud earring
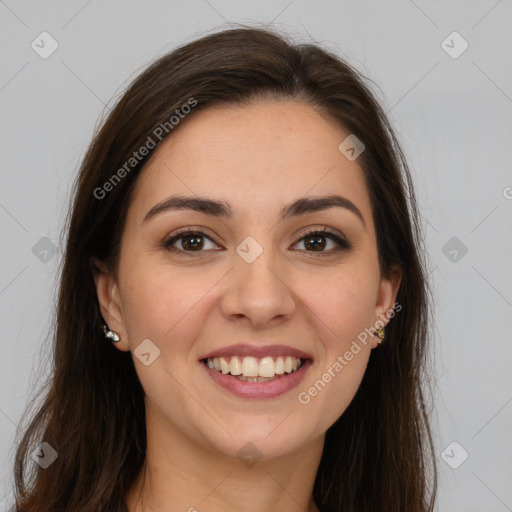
[110, 334]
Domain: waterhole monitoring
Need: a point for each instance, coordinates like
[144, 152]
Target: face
[289, 286]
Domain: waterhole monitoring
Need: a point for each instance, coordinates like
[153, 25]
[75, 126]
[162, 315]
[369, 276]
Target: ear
[386, 299]
[107, 291]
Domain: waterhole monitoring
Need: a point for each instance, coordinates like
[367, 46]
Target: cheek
[342, 309]
[345, 306]
[160, 302]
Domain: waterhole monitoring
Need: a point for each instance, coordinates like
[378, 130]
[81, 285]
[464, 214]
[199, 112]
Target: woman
[243, 318]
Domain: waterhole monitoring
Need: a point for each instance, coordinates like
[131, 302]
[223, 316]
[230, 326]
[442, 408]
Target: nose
[258, 292]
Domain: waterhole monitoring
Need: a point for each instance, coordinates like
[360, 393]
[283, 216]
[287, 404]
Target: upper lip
[244, 349]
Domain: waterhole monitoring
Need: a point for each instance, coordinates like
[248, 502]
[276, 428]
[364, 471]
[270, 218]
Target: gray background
[454, 120]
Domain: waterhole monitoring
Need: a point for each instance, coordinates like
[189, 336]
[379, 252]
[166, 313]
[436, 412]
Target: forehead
[257, 156]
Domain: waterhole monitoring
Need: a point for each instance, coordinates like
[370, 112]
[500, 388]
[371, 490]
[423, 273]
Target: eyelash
[342, 243]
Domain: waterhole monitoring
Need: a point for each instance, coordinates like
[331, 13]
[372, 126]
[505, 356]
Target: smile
[256, 371]
[252, 369]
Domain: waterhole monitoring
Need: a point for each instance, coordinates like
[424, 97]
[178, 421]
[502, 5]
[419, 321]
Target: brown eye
[189, 241]
[317, 241]
[192, 242]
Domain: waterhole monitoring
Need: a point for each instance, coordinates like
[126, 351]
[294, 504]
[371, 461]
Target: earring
[381, 334]
[111, 334]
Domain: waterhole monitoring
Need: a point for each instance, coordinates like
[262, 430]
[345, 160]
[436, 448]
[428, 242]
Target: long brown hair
[378, 455]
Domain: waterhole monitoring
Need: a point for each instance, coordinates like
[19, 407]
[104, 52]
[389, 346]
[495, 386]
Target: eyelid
[321, 229]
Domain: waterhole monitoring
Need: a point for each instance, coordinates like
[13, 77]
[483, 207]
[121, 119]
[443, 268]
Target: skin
[257, 158]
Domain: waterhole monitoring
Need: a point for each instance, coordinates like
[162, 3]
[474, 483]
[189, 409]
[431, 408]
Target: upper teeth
[252, 367]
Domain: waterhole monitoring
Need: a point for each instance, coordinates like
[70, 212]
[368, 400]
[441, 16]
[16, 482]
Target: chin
[260, 436]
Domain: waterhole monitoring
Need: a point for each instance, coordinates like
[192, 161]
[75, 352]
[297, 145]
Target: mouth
[253, 369]
[257, 372]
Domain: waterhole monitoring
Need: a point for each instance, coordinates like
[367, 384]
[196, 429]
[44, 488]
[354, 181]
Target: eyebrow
[223, 209]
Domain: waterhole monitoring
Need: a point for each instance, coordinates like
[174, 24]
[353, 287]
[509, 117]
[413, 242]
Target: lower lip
[269, 389]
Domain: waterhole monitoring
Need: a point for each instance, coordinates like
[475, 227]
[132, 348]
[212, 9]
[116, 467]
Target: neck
[180, 475]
